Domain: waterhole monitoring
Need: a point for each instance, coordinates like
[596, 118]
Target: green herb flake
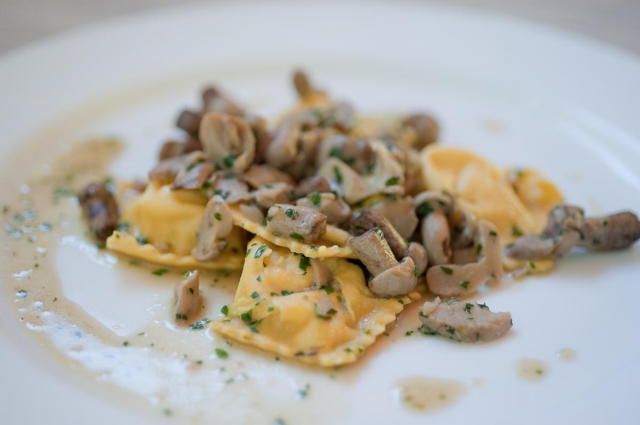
[296, 236]
[200, 324]
[479, 249]
[159, 272]
[415, 271]
[126, 343]
[142, 240]
[22, 293]
[338, 174]
[291, 213]
[304, 263]
[423, 210]
[329, 289]
[316, 198]
[270, 309]
[447, 270]
[181, 316]
[224, 310]
[464, 284]
[468, 307]
[408, 333]
[532, 265]
[305, 391]
[493, 234]
[450, 329]
[259, 278]
[483, 306]
[284, 293]
[515, 231]
[55, 299]
[221, 353]
[246, 317]
[392, 181]
[314, 248]
[254, 295]
[218, 216]
[229, 160]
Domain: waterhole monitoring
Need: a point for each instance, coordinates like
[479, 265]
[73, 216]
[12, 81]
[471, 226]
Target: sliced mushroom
[252, 212]
[312, 184]
[336, 210]
[214, 101]
[465, 322]
[268, 195]
[298, 223]
[189, 121]
[431, 200]
[260, 131]
[533, 247]
[419, 256]
[400, 212]
[100, 209]
[340, 116]
[228, 141]
[357, 153]
[230, 188]
[320, 272]
[373, 251]
[562, 218]
[427, 129]
[613, 232]
[166, 171]
[370, 218]
[409, 159]
[187, 297]
[351, 186]
[464, 230]
[387, 175]
[258, 175]
[215, 227]
[455, 279]
[398, 280]
[302, 165]
[283, 149]
[436, 237]
[194, 177]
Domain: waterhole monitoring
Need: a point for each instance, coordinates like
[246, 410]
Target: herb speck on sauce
[22, 293]
[221, 353]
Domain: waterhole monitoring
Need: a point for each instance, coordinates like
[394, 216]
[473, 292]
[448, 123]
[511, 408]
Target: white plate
[565, 106]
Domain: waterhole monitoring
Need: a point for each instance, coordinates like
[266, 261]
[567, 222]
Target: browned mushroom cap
[349, 184]
[613, 232]
[301, 83]
[170, 149]
[283, 148]
[336, 210]
[260, 131]
[419, 256]
[436, 237]
[214, 101]
[357, 153]
[215, 227]
[166, 171]
[398, 280]
[455, 280]
[268, 195]
[312, 184]
[320, 272]
[258, 175]
[303, 162]
[370, 218]
[297, 223]
[99, 209]
[400, 212]
[373, 251]
[187, 297]
[426, 128]
[227, 141]
[194, 177]
[189, 121]
[563, 217]
[252, 212]
[463, 321]
[409, 159]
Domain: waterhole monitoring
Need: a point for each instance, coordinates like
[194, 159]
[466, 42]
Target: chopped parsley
[224, 310]
[142, 240]
[392, 181]
[479, 248]
[415, 271]
[296, 236]
[160, 272]
[464, 284]
[229, 160]
[285, 293]
[246, 317]
[254, 295]
[314, 248]
[515, 231]
[259, 251]
[532, 265]
[450, 329]
[305, 391]
[200, 324]
[181, 316]
[259, 278]
[329, 289]
[326, 316]
[424, 209]
[447, 270]
[304, 263]
[291, 213]
[483, 306]
[408, 333]
[221, 353]
[126, 343]
[218, 216]
[338, 174]
[493, 234]
[468, 307]
[316, 198]
[270, 309]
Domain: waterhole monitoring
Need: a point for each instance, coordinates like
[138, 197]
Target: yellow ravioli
[168, 220]
[518, 206]
[275, 308]
[334, 243]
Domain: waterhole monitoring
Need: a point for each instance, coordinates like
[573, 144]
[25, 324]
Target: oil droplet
[567, 354]
[532, 370]
[477, 382]
[427, 394]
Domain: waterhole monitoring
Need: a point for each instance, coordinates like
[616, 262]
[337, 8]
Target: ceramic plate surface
[517, 93]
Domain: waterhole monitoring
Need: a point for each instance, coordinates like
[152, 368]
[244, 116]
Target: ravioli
[168, 221]
[334, 243]
[515, 205]
[276, 308]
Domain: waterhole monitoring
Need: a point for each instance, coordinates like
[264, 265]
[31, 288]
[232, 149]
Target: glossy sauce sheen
[428, 395]
[531, 369]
